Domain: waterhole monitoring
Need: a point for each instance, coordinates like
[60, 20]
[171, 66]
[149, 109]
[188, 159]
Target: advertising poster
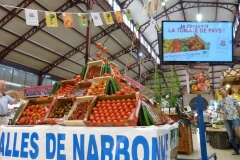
[199, 80]
[197, 41]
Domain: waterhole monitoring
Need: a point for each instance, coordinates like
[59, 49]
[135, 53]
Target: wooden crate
[78, 86]
[34, 102]
[132, 119]
[99, 63]
[80, 121]
[95, 81]
[154, 111]
[57, 103]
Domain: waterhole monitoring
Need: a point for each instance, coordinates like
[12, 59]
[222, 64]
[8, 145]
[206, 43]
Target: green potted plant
[166, 87]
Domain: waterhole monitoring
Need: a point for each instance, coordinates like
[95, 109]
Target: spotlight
[140, 54]
[199, 17]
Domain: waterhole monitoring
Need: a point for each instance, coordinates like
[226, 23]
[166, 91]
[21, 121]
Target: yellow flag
[149, 7]
[108, 18]
[68, 20]
[119, 16]
[51, 19]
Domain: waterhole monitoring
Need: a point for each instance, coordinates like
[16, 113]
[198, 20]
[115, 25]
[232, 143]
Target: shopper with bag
[228, 106]
[5, 99]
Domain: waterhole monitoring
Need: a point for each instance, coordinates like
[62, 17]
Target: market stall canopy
[60, 52]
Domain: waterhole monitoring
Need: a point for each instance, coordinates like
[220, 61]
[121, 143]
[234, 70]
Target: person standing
[5, 99]
[228, 106]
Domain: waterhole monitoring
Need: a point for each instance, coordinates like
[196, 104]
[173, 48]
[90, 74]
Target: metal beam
[231, 7]
[184, 15]
[79, 48]
[35, 29]
[126, 3]
[11, 14]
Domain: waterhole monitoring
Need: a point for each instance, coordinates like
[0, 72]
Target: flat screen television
[184, 42]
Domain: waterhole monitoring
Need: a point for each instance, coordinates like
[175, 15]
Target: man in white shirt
[5, 99]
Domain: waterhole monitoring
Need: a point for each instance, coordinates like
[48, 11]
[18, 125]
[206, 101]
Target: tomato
[122, 91]
[99, 45]
[105, 49]
[104, 59]
[78, 77]
[98, 54]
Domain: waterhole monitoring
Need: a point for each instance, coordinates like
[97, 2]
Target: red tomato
[99, 45]
[104, 59]
[98, 54]
[105, 49]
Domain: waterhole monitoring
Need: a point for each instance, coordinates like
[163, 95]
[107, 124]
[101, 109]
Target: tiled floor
[221, 154]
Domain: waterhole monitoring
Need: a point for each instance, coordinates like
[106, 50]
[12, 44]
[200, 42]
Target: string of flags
[31, 16]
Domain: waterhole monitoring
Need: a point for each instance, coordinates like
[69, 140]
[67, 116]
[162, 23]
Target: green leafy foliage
[166, 87]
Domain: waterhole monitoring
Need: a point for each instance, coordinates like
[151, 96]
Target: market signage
[37, 91]
[81, 143]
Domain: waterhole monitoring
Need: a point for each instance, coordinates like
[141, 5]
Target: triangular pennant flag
[51, 19]
[149, 7]
[119, 16]
[155, 5]
[31, 17]
[128, 14]
[161, 2]
[68, 20]
[159, 28]
[83, 20]
[96, 19]
[145, 8]
[137, 26]
[108, 18]
[153, 22]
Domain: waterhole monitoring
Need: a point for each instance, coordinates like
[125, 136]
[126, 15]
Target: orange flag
[68, 20]
[119, 16]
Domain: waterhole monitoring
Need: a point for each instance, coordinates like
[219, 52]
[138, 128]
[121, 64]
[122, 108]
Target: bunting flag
[159, 28]
[68, 20]
[155, 5]
[119, 16]
[153, 22]
[83, 20]
[51, 19]
[31, 17]
[128, 14]
[149, 7]
[137, 26]
[96, 19]
[108, 18]
[144, 8]
[161, 2]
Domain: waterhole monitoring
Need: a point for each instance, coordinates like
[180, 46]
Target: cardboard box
[80, 121]
[132, 119]
[30, 102]
[99, 63]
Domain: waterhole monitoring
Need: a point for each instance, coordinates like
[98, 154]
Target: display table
[218, 137]
[74, 143]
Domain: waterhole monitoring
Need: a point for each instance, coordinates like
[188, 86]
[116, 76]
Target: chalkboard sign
[193, 103]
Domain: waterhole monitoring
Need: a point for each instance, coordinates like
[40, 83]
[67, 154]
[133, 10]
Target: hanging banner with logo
[199, 81]
[96, 19]
[83, 20]
[31, 17]
[68, 20]
[51, 19]
[79, 143]
[108, 18]
[119, 16]
[128, 14]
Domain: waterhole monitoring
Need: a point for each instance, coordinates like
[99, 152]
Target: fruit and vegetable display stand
[96, 115]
